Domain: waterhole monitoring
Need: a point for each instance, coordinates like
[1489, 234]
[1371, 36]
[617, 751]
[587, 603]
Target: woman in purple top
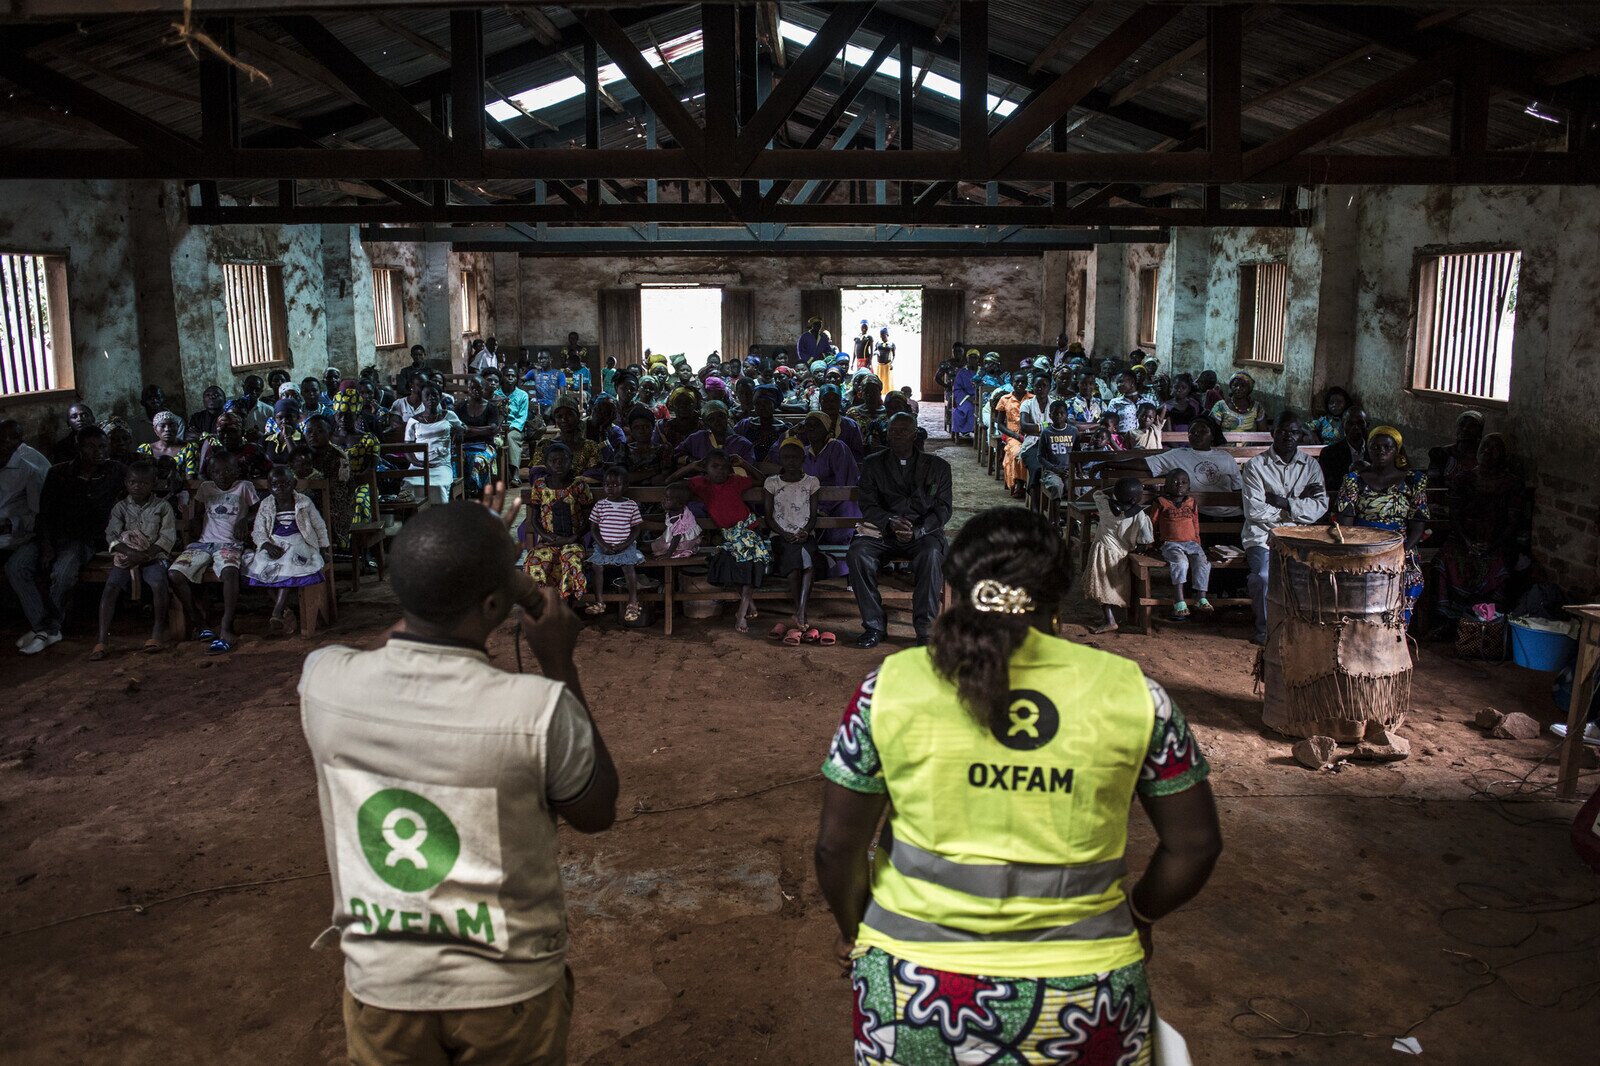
[830, 462]
[701, 443]
[845, 429]
[762, 429]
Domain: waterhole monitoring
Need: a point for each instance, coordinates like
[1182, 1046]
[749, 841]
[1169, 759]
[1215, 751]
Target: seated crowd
[1058, 426]
[742, 449]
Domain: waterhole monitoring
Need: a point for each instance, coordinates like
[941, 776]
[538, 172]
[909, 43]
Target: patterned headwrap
[1393, 434]
[784, 371]
[716, 383]
[819, 366]
[286, 388]
[348, 402]
[658, 360]
[711, 407]
[160, 418]
[972, 351]
[1242, 376]
[680, 393]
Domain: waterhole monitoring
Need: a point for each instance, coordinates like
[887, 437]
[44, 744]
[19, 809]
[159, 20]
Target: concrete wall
[558, 294]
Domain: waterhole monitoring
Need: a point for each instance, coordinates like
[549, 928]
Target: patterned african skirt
[559, 566]
[918, 1016]
[743, 558]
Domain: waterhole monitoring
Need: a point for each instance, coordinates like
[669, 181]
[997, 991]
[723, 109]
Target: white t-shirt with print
[791, 501]
[223, 509]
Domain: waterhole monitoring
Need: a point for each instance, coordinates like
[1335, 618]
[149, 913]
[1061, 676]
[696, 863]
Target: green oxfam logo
[409, 842]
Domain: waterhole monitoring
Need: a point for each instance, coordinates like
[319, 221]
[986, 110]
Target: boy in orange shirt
[1177, 524]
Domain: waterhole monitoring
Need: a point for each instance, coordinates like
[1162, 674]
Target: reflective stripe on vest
[1004, 850]
[1117, 922]
[1001, 880]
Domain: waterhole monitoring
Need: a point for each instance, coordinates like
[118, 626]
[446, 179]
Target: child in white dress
[291, 539]
[792, 513]
[1123, 526]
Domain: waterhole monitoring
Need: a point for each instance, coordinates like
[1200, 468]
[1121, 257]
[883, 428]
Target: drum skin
[1336, 663]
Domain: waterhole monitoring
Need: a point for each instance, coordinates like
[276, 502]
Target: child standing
[742, 561]
[291, 541]
[791, 506]
[1123, 526]
[141, 532]
[226, 502]
[681, 536]
[557, 514]
[617, 523]
[1177, 529]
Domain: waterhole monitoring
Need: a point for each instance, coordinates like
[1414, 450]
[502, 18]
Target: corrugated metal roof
[136, 62]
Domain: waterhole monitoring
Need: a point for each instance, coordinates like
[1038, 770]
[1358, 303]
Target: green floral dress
[1392, 508]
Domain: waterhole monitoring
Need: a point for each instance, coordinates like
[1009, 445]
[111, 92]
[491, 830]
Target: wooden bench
[673, 571]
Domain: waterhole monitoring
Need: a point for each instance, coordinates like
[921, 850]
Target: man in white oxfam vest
[440, 777]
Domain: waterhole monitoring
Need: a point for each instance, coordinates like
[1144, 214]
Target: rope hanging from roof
[185, 34]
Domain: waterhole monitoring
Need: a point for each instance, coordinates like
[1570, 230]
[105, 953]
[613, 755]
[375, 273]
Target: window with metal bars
[35, 336]
[388, 309]
[258, 322]
[469, 301]
[1148, 307]
[1263, 307]
[1466, 318]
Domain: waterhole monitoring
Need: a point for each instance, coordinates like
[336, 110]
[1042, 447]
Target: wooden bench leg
[1146, 612]
[669, 582]
[313, 607]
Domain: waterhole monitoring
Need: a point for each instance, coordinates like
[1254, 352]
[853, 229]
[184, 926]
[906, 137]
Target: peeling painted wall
[88, 222]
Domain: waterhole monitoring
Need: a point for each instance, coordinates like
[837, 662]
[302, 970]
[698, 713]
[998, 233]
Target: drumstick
[1336, 533]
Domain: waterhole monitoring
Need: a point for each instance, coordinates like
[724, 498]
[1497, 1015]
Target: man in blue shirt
[507, 391]
[810, 345]
[546, 382]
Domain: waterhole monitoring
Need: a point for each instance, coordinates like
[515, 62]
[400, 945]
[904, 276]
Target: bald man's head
[449, 559]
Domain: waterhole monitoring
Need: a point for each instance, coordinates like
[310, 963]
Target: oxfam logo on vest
[1031, 722]
[408, 840]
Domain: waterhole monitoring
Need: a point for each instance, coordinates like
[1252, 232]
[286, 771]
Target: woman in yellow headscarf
[1388, 494]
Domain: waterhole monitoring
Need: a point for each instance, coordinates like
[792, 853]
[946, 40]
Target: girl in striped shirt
[616, 524]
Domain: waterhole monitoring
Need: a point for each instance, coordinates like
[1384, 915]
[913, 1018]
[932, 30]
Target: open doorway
[681, 319]
[900, 309]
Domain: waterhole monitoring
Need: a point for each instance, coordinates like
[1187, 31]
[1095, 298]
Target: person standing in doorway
[440, 799]
[810, 346]
[883, 360]
[863, 353]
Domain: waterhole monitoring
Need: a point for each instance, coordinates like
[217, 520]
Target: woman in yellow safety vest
[994, 925]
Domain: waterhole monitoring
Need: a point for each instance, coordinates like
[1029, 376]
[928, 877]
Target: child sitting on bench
[742, 561]
[681, 536]
[291, 544]
[617, 523]
[1177, 528]
[141, 532]
[226, 502]
[1123, 526]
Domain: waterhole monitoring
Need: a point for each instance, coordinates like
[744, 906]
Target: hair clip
[993, 597]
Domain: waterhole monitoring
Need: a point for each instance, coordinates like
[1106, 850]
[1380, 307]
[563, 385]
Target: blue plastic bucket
[1539, 650]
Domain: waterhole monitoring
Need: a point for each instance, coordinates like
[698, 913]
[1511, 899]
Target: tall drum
[1336, 661]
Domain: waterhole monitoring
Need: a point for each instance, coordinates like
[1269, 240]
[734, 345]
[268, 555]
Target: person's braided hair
[971, 648]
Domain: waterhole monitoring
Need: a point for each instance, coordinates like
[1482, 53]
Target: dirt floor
[1381, 899]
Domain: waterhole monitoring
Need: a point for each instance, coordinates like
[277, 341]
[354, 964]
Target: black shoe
[870, 638]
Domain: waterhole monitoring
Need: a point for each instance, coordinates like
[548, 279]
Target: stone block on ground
[1487, 718]
[1315, 752]
[1515, 726]
[1382, 747]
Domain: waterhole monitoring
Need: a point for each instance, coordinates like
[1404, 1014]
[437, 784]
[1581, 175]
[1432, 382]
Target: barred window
[1263, 307]
[1466, 317]
[35, 334]
[258, 322]
[469, 301]
[388, 308]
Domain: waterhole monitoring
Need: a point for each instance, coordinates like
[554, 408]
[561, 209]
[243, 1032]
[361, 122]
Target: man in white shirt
[488, 357]
[440, 777]
[1282, 487]
[22, 471]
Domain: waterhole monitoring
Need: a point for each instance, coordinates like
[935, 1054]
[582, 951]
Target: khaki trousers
[530, 1033]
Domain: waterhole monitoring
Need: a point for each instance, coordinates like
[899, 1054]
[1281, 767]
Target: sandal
[275, 626]
[812, 635]
[206, 635]
[98, 653]
[779, 631]
[631, 613]
[594, 610]
[826, 639]
[220, 647]
[152, 646]
[792, 638]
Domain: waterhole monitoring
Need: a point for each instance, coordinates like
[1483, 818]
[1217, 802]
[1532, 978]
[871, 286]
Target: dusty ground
[699, 934]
